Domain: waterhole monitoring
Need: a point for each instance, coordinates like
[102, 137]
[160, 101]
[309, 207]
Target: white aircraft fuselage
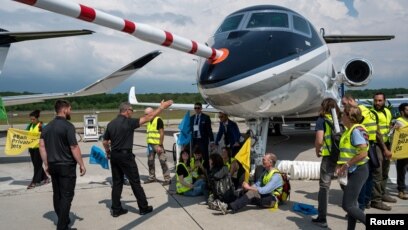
[278, 65]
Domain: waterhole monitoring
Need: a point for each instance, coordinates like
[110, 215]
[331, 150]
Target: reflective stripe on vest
[384, 121]
[180, 187]
[268, 177]
[327, 141]
[347, 150]
[153, 135]
[35, 129]
[369, 122]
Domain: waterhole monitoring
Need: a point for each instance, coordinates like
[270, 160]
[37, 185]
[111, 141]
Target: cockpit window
[301, 25]
[268, 19]
[230, 23]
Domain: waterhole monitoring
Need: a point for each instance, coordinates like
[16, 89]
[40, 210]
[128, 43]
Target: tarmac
[22, 208]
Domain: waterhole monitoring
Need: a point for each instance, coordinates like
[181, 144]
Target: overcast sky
[68, 64]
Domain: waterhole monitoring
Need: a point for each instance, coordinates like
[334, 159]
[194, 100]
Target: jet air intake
[357, 72]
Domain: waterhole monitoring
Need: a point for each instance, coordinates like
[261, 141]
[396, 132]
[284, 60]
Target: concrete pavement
[33, 208]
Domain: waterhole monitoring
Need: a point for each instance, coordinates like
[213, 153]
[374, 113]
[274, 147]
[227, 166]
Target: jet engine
[357, 72]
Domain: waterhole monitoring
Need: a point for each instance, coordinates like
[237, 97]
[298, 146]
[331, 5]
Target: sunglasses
[197, 107]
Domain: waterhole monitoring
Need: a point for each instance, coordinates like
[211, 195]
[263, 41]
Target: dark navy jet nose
[254, 38]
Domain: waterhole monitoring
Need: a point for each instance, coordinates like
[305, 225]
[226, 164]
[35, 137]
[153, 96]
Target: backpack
[335, 140]
[285, 195]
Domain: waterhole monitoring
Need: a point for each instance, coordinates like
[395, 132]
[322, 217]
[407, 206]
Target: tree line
[112, 101]
[104, 101]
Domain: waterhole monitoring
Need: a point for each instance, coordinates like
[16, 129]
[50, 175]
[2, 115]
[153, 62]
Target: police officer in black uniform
[118, 143]
[60, 153]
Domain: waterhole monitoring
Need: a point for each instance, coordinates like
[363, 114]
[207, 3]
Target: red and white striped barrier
[139, 30]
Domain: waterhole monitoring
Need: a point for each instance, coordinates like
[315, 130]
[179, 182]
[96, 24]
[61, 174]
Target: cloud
[71, 63]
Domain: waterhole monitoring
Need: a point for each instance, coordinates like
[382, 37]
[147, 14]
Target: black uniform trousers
[123, 163]
[63, 185]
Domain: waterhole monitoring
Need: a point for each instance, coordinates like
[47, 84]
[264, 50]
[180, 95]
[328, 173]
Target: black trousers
[123, 163]
[63, 186]
[202, 143]
[39, 173]
[402, 166]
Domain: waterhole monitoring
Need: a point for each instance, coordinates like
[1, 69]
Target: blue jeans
[197, 190]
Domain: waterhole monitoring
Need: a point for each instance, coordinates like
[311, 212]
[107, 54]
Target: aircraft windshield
[230, 23]
[301, 25]
[268, 19]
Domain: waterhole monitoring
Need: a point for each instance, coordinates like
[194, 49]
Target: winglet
[132, 96]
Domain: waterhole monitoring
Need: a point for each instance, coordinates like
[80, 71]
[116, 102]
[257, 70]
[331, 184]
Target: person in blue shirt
[229, 129]
[262, 193]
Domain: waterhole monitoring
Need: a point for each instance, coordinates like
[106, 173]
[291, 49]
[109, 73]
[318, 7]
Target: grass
[78, 116]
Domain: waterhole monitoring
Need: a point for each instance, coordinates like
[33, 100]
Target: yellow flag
[243, 157]
[399, 147]
[19, 140]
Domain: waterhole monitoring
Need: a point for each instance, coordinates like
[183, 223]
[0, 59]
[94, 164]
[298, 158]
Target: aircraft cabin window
[301, 25]
[230, 23]
[268, 19]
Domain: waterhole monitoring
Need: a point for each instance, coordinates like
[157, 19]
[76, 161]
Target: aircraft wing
[355, 38]
[7, 37]
[103, 85]
[133, 100]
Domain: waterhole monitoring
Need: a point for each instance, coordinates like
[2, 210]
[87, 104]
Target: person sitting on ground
[219, 182]
[235, 169]
[263, 193]
[197, 165]
[185, 185]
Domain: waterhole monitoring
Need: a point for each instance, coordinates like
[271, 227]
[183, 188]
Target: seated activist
[197, 165]
[235, 169]
[185, 185]
[219, 182]
[263, 193]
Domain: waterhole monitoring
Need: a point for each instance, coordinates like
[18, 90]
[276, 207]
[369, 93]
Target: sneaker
[126, 182]
[381, 206]
[321, 222]
[222, 206]
[166, 182]
[150, 180]
[149, 209]
[213, 206]
[389, 199]
[402, 195]
[119, 213]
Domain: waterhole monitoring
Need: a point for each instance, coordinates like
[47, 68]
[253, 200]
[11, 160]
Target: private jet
[263, 63]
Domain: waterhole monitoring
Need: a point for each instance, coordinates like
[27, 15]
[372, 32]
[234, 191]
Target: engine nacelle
[357, 72]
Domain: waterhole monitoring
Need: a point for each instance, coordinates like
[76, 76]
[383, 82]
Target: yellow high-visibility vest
[327, 141]
[180, 188]
[347, 150]
[35, 129]
[153, 135]
[369, 122]
[384, 121]
[403, 121]
[268, 177]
